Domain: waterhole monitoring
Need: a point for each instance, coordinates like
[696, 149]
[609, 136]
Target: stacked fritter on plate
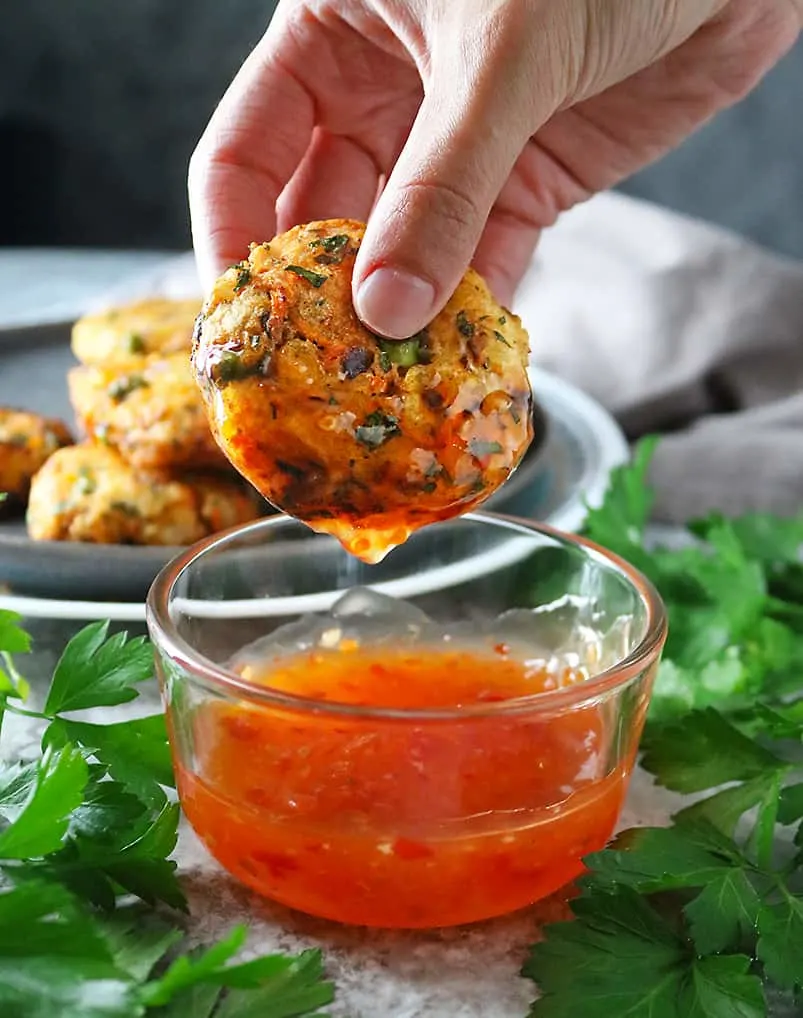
[148, 470]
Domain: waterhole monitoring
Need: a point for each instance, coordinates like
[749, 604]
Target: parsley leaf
[13, 639]
[135, 752]
[703, 751]
[620, 959]
[701, 918]
[620, 522]
[724, 913]
[53, 960]
[96, 670]
[780, 942]
[314, 278]
[284, 986]
[662, 858]
[55, 790]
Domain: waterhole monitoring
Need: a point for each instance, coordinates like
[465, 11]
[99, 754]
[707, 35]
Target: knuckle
[447, 204]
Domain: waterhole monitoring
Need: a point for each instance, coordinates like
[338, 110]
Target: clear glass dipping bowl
[406, 817]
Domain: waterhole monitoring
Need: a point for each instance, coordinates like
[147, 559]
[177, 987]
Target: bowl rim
[215, 678]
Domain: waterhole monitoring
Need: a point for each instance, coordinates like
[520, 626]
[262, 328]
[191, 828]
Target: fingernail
[395, 303]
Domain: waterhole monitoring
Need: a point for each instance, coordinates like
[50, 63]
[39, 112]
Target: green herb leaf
[725, 913]
[135, 752]
[665, 858]
[376, 429]
[53, 962]
[332, 248]
[203, 966]
[296, 990]
[42, 822]
[137, 940]
[482, 449]
[13, 639]
[705, 751]
[464, 326]
[122, 387]
[243, 277]
[726, 808]
[619, 958]
[780, 942]
[791, 804]
[96, 671]
[403, 352]
[315, 278]
[280, 986]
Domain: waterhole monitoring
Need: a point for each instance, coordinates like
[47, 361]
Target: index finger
[250, 149]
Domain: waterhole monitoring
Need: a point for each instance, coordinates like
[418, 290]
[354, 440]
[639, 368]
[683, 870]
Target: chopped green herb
[501, 319]
[233, 367]
[464, 326]
[126, 509]
[333, 249]
[385, 363]
[243, 278]
[334, 244]
[135, 343]
[501, 338]
[480, 448]
[311, 277]
[403, 352]
[122, 387]
[376, 429]
[429, 487]
[86, 483]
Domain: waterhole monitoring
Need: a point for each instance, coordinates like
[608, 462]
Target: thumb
[427, 223]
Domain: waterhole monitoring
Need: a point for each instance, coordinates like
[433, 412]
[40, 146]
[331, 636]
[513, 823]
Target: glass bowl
[391, 815]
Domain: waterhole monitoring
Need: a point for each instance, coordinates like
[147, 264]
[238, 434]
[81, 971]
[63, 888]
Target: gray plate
[570, 459]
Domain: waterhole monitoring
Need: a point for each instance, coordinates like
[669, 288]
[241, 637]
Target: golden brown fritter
[89, 493]
[151, 414]
[118, 337]
[26, 441]
[364, 438]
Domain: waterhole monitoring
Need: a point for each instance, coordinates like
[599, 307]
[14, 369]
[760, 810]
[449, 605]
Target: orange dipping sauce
[408, 821]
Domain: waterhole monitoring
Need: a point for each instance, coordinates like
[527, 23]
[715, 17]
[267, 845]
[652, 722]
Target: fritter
[151, 414]
[26, 441]
[118, 337]
[364, 438]
[89, 493]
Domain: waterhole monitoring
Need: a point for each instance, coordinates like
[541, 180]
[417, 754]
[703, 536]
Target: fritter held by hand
[89, 493]
[118, 337]
[151, 414]
[364, 438]
[26, 441]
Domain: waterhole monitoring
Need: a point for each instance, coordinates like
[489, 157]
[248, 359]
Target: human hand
[459, 129]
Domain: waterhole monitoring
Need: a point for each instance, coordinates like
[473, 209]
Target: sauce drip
[402, 822]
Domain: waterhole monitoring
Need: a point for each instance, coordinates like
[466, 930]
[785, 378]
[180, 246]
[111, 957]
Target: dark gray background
[101, 103]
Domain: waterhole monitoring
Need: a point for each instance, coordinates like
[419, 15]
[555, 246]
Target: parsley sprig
[87, 831]
[704, 917]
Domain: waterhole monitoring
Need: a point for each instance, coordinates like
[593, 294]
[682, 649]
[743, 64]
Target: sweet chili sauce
[397, 821]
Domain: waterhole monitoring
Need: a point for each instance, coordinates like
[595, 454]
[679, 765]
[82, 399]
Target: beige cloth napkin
[680, 328]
